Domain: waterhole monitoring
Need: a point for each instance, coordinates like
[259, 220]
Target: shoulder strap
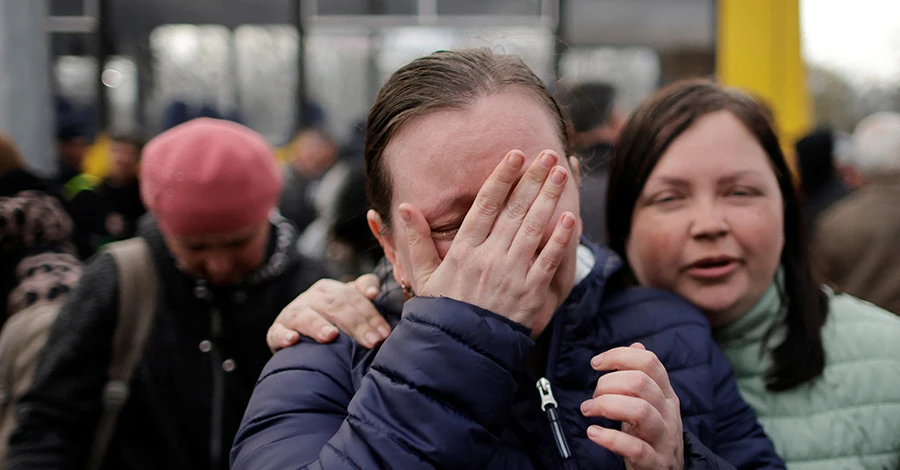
[137, 307]
[21, 340]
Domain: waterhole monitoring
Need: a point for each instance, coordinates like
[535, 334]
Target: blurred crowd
[229, 237]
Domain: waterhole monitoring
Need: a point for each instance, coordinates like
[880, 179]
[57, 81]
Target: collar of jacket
[583, 304]
[763, 324]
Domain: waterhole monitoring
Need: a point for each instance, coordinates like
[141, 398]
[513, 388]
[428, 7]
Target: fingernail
[597, 360]
[371, 338]
[557, 175]
[289, 337]
[586, 407]
[371, 290]
[516, 160]
[385, 331]
[594, 431]
[405, 215]
[568, 221]
[327, 331]
[548, 159]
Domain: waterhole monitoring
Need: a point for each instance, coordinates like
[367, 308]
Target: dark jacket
[18, 180]
[123, 202]
[296, 202]
[88, 212]
[450, 389]
[204, 352]
[817, 200]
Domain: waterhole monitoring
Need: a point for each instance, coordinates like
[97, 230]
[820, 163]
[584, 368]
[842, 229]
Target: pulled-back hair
[652, 127]
[440, 81]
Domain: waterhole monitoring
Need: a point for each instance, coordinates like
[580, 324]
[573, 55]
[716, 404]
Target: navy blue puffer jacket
[450, 388]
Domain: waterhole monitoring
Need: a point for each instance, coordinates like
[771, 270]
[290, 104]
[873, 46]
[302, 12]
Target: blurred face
[313, 154]
[223, 259]
[708, 224]
[124, 160]
[74, 151]
[439, 161]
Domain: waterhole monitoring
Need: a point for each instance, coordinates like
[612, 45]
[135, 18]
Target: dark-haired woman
[701, 203]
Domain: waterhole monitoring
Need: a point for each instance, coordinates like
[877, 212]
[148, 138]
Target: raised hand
[640, 396]
[496, 260]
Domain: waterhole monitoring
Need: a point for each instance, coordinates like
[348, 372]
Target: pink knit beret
[209, 176]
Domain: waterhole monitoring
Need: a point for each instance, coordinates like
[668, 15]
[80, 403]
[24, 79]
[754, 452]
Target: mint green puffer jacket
[848, 418]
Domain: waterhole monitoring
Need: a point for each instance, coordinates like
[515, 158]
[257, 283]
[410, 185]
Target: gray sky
[860, 38]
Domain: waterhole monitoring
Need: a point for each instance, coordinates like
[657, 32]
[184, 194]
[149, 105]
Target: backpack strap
[137, 307]
[21, 340]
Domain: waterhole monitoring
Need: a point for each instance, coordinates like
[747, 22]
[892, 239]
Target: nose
[219, 268]
[708, 221]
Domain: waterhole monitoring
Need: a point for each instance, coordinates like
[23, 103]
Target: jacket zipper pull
[548, 404]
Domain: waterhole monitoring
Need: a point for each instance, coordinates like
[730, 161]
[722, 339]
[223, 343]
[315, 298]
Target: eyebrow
[442, 209]
[676, 181]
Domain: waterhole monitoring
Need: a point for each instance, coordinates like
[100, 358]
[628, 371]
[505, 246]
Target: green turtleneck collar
[753, 326]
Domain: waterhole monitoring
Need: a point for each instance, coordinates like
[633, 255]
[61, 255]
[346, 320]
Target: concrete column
[26, 106]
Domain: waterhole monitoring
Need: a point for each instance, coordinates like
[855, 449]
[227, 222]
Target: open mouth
[712, 268]
[713, 263]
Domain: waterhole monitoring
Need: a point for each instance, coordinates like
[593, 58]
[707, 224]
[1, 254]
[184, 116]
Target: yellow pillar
[758, 50]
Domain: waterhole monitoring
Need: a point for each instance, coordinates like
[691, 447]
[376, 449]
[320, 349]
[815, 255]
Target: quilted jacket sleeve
[740, 438]
[721, 430]
[436, 396]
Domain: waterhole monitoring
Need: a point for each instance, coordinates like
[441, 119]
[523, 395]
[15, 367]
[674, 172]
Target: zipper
[549, 406]
[218, 405]
[548, 402]
[216, 330]
[218, 392]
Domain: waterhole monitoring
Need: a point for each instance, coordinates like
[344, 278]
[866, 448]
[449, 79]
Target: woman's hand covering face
[496, 260]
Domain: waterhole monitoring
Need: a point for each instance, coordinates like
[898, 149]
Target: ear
[575, 164]
[381, 232]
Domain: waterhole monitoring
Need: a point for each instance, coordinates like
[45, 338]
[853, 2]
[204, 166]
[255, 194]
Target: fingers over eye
[523, 196]
[540, 214]
[490, 200]
[422, 251]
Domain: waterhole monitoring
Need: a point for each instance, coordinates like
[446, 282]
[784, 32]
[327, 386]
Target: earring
[407, 291]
